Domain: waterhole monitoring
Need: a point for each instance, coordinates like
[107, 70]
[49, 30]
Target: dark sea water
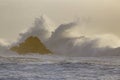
[58, 71]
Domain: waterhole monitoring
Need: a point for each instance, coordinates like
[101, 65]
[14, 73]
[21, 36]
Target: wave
[71, 39]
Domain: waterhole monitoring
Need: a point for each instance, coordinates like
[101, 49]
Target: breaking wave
[71, 39]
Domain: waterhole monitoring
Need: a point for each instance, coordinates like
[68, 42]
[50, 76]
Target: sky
[103, 16]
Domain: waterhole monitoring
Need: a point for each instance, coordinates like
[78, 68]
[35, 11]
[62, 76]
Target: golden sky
[16, 15]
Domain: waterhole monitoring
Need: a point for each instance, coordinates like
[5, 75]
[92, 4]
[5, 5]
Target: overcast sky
[16, 15]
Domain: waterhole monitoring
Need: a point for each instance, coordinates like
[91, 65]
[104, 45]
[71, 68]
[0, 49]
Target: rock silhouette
[31, 45]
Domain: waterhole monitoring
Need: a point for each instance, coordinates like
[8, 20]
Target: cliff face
[31, 45]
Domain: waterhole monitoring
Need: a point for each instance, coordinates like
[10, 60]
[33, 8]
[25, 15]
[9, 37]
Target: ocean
[62, 70]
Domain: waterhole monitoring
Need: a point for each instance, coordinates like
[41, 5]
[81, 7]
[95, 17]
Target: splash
[71, 39]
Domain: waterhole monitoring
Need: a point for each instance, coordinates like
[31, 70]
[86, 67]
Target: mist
[72, 38]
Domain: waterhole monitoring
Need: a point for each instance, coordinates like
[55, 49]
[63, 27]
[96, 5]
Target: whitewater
[76, 55]
[59, 68]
